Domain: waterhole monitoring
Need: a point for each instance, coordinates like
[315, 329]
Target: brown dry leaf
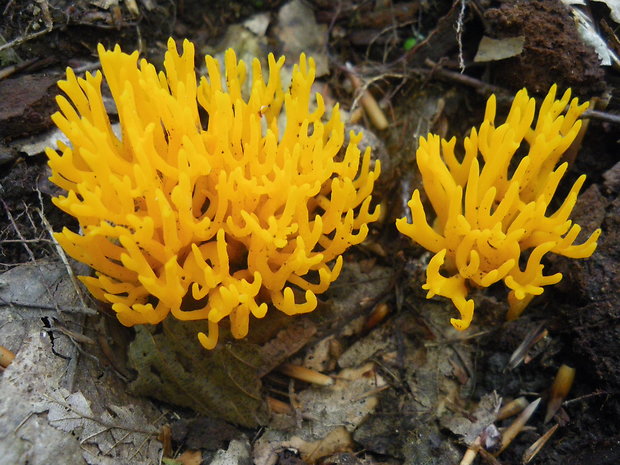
[337, 440]
[288, 342]
[330, 414]
[190, 457]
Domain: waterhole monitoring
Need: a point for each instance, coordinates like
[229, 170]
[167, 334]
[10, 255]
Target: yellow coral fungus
[207, 223]
[490, 209]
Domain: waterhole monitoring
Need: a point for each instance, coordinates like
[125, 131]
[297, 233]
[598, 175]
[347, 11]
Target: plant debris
[398, 385]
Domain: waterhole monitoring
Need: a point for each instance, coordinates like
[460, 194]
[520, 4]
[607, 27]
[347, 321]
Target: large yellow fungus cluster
[490, 208]
[207, 223]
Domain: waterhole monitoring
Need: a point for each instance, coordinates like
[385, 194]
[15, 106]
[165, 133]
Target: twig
[464, 79]
[30, 254]
[23, 39]
[601, 116]
[7, 7]
[89, 437]
[27, 241]
[368, 82]
[17, 231]
[12, 69]
[76, 337]
[118, 441]
[458, 339]
[23, 422]
[374, 112]
[586, 396]
[38, 306]
[139, 447]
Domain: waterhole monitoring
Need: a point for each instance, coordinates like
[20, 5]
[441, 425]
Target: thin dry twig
[17, 231]
[458, 339]
[374, 112]
[12, 69]
[23, 39]
[367, 82]
[481, 86]
[586, 397]
[39, 306]
[25, 241]
[601, 116]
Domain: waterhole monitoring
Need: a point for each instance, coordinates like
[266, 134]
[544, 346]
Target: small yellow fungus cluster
[490, 208]
[215, 222]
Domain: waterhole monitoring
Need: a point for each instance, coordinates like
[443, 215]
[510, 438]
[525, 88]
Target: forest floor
[399, 385]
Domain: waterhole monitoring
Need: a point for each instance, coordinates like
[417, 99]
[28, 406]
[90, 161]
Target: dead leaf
[258, 23]
[224, 382]
[589, 34]
[345, 403]
[499, 49]
[361, 350]
[190, 457]
[337, 440]
[238, 453]
[174, 368]
[118, 426]
[56, 405]
[472, 425]
[614, 8]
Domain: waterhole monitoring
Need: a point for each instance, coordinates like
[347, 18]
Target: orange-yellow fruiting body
[490, 210]
[207, 223]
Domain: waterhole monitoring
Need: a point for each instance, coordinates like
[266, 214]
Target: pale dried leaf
[589, 34]
[238, 453]
[345, 403]
[470, 426]
[117, 433]
[258, 23]
[499, 49]
[25, 434]
[104, 4]
[614, 8]
[48, 401]
[363, 349]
